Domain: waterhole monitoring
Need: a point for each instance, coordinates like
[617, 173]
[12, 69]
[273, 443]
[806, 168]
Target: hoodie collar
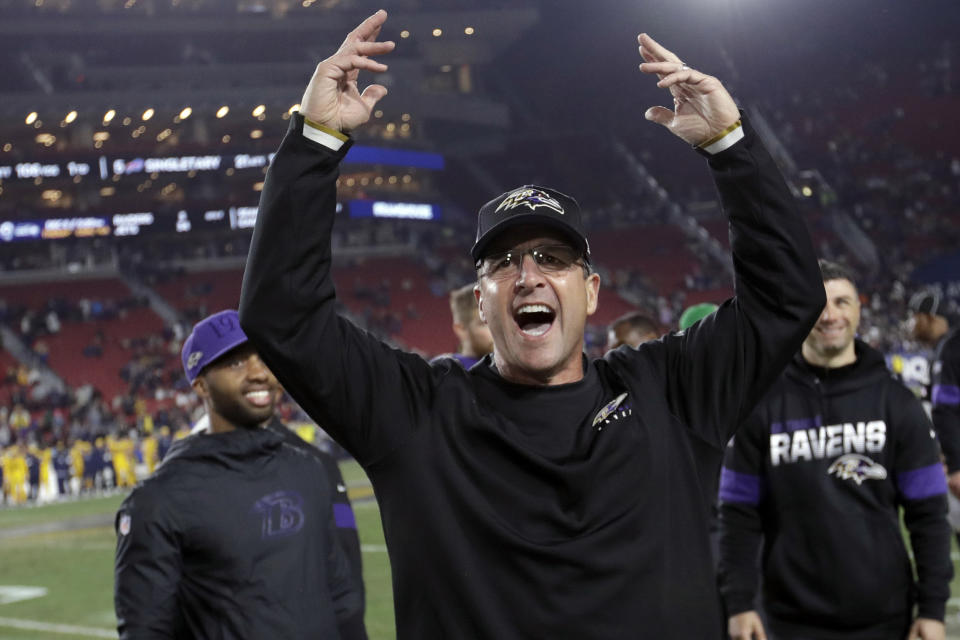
[231, 449]
[869, 368]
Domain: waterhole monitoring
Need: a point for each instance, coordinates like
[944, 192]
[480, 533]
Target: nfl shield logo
[124, 524]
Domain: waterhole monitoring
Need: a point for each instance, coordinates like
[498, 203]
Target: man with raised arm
[538, 494]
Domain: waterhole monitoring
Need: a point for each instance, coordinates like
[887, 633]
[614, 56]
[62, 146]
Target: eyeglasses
[549, 258]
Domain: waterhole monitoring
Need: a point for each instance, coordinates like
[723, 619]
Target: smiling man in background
[820, 471]
[234, 535]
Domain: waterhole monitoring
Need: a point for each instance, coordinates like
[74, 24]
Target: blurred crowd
[90, 447]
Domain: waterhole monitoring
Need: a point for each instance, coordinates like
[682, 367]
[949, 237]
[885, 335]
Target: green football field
[56, 569]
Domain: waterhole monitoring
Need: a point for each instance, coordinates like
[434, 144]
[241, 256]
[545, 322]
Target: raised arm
[718, 369]
[360, 390]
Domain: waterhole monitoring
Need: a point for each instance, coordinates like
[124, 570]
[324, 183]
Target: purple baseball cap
[211, 338]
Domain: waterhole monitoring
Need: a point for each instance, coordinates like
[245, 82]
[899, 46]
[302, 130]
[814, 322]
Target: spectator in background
[473, 335]
[694, 314]
[633, 328]
[61, 467]
[53, 322]
[33, 471]
[820, 470]
[20, 421]
[930, 326]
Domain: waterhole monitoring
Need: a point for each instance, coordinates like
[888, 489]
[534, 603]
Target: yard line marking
[15, 593]
[36, 625]
[373, 548]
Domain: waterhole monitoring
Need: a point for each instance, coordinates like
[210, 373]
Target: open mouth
[260, 398]
[534, 319]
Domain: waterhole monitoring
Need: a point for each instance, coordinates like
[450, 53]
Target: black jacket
[347, 536]
[945, 397]
[232, 537]
[573, 511]
[820, 470]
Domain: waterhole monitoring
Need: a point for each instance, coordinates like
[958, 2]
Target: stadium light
[185, 113]
[223, 111]
[109, 116]
[31, 117]
[295, 107]
[70, 117]
[148, 114]
[258, 110]
[437, 32]
[404, 34]
[468, 31]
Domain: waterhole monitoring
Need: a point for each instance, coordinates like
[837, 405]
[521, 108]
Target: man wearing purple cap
[537, 494]
[234, 535]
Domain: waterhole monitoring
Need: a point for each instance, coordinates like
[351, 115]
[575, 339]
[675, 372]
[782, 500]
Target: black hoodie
[232, 537]
[819, 470]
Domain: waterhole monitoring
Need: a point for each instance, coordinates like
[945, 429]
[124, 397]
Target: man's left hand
[702, 108]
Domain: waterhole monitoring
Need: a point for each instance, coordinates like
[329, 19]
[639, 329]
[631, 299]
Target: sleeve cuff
[723, 140]
[932, 610]
[739, 603]
[329, 138]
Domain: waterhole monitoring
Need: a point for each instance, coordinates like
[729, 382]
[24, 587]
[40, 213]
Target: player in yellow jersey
[149, 450]
[15, 474]
[121, 453]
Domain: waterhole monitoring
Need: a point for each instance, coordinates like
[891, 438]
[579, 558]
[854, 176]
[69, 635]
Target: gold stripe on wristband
[333, 132]
[736, 125]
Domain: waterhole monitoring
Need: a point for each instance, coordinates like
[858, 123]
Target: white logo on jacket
[124, 524]
[827, 442]
[858, 468]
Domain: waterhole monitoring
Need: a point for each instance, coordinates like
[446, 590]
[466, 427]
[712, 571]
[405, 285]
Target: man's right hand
[332, 98]
[746, 626]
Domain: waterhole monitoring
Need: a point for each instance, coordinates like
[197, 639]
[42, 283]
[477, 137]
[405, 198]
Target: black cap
[927, 301]
[530, 204]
